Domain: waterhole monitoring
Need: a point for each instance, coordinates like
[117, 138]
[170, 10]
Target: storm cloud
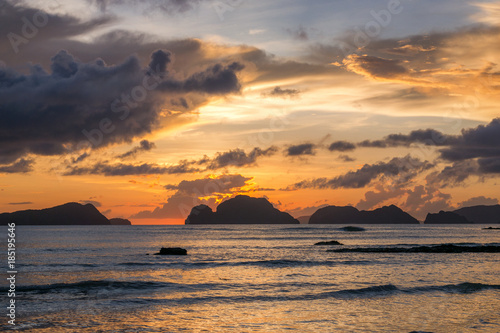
[80, 105]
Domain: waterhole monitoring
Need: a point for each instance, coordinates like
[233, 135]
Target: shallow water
[252, 278]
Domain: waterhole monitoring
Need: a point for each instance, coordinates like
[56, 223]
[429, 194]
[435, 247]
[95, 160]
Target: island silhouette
[71, 213]
[244, 209]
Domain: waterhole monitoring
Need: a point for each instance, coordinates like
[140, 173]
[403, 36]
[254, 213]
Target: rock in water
[333, 242]
[351, 229]
[172, 251]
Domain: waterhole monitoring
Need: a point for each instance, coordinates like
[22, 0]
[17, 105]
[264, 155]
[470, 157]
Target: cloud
[298, 34]
[79, 104]
[20, 203]
[48, 26]
[460, 61]
[92, 202]
[478, 201]
[166, 6]
[374, 198]
[400, 170]
[374, 67]
[20, 166]
[426, 199]
[480, 142]
[341, 146]
[121, 169]
[144, 145]
[190, 193]
[299, 150]
[283, 93]
[346, 158]
[455, 174]
[233, 158]
[237, 158]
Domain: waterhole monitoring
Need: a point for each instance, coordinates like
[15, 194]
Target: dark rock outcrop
[442, 248]
[350, 215]
[333, 242]
[445, 218]
[119, 221]
[241, 209]
[480, 214]
[350, 228]
[71, 213]
[172, 251]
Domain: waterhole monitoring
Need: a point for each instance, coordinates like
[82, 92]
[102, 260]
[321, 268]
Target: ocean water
[251, 278]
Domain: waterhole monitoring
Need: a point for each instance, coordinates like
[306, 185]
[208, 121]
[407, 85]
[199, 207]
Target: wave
[97, 286]
[442, 248]
[276, 263]
[85, 286]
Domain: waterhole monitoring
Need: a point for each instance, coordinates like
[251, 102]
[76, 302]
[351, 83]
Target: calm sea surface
[250, 279]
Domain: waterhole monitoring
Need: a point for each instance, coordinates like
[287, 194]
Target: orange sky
[261, 101]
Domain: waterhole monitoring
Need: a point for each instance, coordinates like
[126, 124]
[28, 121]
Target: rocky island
[241, 209]
[350, 215]
[71, 213]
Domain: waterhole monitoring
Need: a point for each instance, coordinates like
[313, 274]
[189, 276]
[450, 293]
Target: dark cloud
[20, 166]
[283, 93]
[482, 142]
[180, 102]
[231, 158]
[373, 144]
[342, 146]
[144, 145]
[454, 174]
[237, 158]
[20, 203]
[299, 150]
[121, 169]
[92, 104]
[401, 170]
[149, 6]
[190, 193]
[21, 25]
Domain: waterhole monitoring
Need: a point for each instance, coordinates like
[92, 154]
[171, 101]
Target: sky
[148, 108]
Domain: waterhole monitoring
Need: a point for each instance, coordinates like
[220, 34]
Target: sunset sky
[147, 108]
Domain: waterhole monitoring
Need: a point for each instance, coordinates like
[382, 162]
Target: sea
[250, 278]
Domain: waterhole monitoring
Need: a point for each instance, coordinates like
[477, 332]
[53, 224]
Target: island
[119, 221]
[350, 215]
[71, 213]
[445, 218]
[241, 209]
[480, 214]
